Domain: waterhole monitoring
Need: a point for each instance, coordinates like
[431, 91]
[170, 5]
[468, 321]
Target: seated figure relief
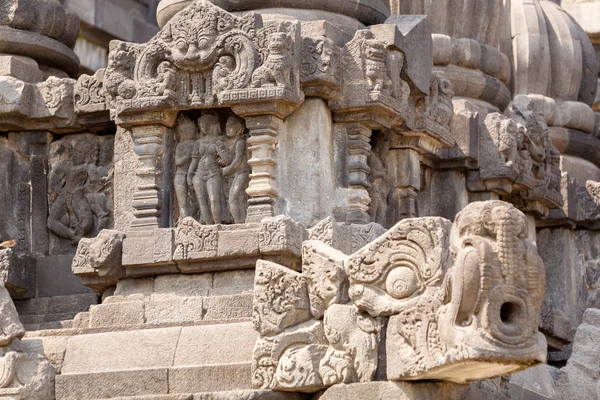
[80, 186]
[212, 171]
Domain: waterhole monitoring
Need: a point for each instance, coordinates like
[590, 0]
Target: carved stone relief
[380, 186]
[80, 192]
[461, 302]
[372, 73]
[206, 56]
[518, 158]
[211, 168]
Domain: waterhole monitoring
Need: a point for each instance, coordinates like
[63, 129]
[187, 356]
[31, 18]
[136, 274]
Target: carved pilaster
[149, 145]
[262, 143]
[405, 169]
[359, 149]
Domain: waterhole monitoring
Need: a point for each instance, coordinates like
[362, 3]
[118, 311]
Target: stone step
[192, 359]
[158, 310]
[53, 313]
[230, 395]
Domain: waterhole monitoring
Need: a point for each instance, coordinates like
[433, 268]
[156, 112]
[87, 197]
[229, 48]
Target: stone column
[405, 168]
[262, 144]
[359, 148]
[149, 198]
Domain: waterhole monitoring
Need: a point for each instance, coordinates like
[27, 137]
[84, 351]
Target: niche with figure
[80, 186]
[211, 167]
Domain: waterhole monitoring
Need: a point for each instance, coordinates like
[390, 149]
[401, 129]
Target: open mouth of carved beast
[508, 315]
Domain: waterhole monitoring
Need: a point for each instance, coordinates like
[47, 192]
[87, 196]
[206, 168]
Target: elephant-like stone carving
[458, 302]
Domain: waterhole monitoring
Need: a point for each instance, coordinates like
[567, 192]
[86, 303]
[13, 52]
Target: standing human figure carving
[379, 189]
[210, 155]
[71, 215]
[238, 170]
[187, 131]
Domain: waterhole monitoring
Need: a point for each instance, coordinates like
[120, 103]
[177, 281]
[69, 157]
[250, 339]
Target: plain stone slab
[232, 282]
[183, 285]
[215, 344]
[249, 395]
[396, 391]
[20, 69]
[210, 378]
[223, 308]
[177, 310]
[118, 351]
[118, 314]
[126, 287]
[104, 385]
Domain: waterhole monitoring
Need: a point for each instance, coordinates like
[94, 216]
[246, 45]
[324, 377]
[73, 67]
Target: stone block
[533, 383]
[103, 385]
[308, 141]
[176, 310]
[72, 304]
[223, 308]
[232, 282]
[55, 278]
[81, 320]
[219, 344]
[210, 378]
[396, 390]
[119, 351]
[233, 243]
[183, 285]
[53, 347]
[132, 286]
[153, 247]
[249, 395]
[413, 37]
[120, 314]
[17, 273]
[38, 306]
[23, 68]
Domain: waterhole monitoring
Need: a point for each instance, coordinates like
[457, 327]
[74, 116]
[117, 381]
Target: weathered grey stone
[223, 308]
[176, 310]
[20, 68]
[396, 390]
[580, 375]
[11, 326]
[368, 13]
[103, 385]
[120, 314]
[221, 344]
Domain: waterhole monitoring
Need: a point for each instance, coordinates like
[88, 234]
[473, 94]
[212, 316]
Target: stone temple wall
[276, 199]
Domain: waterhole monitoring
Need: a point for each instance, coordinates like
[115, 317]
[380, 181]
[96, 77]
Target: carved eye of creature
[202, 43]
[402, 282]
[181, 45]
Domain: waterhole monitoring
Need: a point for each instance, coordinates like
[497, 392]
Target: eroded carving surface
[80, 188]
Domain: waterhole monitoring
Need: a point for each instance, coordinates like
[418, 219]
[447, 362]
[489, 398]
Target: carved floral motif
[193, 240]
[89, 93]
